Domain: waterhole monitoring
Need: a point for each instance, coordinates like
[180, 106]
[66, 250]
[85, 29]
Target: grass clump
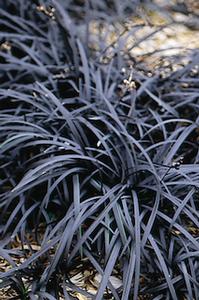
[99, 160]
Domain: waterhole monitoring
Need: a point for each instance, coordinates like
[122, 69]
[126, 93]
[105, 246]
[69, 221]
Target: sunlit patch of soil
[151, 38]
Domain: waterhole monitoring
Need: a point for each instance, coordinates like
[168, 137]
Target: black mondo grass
[99, 159]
